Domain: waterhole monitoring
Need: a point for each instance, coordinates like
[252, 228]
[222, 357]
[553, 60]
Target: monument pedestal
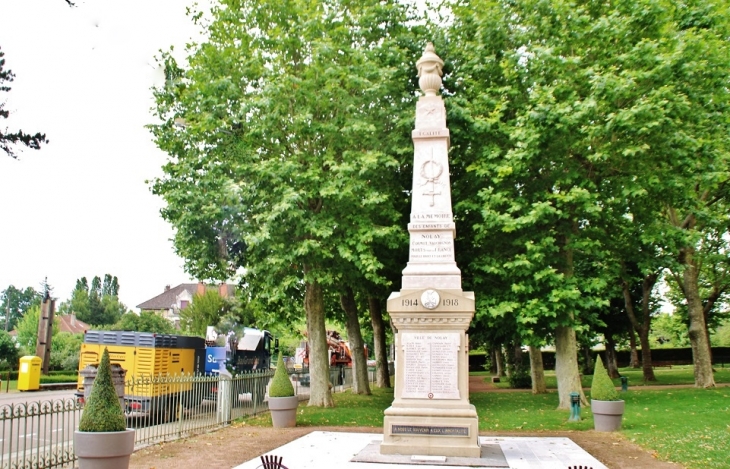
[431, 413]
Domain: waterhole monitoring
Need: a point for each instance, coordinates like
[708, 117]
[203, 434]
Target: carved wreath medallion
[430, 299]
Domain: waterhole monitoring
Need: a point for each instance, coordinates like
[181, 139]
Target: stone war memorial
[430, 423]
[431, 413]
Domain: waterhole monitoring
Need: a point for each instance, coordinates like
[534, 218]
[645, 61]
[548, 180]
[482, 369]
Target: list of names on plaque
[431, 365]
[429, 247]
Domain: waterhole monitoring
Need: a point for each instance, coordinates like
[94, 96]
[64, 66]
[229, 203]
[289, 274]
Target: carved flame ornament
[430, 71]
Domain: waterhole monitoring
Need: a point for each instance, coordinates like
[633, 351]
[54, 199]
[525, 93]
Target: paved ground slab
[318, 450]
[492, 456]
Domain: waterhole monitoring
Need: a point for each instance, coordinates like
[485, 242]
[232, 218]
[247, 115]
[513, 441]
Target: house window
[183, 304]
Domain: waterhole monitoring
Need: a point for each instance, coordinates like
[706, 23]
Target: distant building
[66, 323]
[169, 303]
[69, 323]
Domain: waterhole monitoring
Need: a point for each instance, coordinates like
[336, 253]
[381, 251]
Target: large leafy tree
[283, 166]
[515, 105]
[676, 136]
[8, 140]
[65, 351]
[28, 330]
[9, 353]
[579, 117]
[207, 309]
[145, 321]
[15, 303]
[97, 304]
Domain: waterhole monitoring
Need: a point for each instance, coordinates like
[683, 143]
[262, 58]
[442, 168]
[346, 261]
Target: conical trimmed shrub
[102, 412]
[280, 384]
[602, 388]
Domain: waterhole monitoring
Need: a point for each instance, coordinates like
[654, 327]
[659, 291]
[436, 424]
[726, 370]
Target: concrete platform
[323, 450]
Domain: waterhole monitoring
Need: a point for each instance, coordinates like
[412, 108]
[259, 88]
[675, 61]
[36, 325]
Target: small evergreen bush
[280, 384]
[519, 377]
[102, 412]
[602, 388]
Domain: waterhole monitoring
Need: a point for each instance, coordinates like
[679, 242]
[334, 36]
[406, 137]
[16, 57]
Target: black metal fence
[39, 435]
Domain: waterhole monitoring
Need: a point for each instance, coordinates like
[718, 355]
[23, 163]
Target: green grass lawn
[681, 374]
[12, 386]
[688, 426]
[351, 410]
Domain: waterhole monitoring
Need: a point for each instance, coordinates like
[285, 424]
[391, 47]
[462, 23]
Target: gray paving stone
[323, 450]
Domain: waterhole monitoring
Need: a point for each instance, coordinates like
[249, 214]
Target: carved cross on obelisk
[431, 171]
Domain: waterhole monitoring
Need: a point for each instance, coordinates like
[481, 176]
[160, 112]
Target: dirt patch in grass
[237, 444]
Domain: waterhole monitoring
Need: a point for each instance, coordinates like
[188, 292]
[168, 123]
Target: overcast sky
[80, 206]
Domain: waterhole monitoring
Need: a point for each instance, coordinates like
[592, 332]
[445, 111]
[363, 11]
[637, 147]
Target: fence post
[224, 396]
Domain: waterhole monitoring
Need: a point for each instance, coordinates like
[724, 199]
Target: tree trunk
[493, 362]
[643, 327]
[499, 358]
[587, 360]
[509, 358]
[566, 366]
[634, 361]
[319, 364]
[357, 345]
[537, 372]
[379, 338]
[611, 362]
[517, 355]
[647, 366]
[566, 344]
[706, 315]
[697, 337]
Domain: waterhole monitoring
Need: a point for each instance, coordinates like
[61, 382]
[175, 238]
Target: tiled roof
[69, 323]
[166, 299]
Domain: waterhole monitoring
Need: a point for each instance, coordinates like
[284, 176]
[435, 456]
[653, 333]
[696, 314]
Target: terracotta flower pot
[283, 411]
[607, 415]
[104, 450]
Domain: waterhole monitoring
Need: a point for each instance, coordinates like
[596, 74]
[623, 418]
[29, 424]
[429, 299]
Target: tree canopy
[15, 303]
[9, 140]
[590, 157]
[288, 159]
[581, 128]
[145, 321]
[97, 304]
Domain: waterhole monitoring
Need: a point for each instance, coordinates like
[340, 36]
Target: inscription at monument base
[424, 430]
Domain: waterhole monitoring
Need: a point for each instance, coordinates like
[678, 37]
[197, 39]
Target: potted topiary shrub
[103, 440]
[606, 405]
[282, 400]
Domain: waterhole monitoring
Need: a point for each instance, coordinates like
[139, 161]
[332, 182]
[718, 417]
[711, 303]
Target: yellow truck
[148, 357]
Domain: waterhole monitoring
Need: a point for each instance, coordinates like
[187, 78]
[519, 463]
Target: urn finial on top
[429, 71]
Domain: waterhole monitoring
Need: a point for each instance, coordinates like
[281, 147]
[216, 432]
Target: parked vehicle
[338, 349]
[245, 352]
[340, 356]
[148, 356]
[249, 350]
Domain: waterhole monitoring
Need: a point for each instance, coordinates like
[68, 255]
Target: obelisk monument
[431, 413]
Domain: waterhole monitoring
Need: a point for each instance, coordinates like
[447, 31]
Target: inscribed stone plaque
[429, 430]
[431, 247]
[431, 365]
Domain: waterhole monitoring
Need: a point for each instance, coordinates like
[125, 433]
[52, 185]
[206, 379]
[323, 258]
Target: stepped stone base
[407, 432]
